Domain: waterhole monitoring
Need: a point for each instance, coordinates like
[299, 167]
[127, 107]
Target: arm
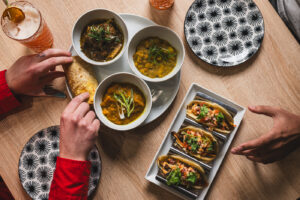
[7, 99]
[78, 132]
[70, 180]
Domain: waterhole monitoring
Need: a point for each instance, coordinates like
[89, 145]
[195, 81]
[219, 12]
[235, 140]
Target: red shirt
[71, 177]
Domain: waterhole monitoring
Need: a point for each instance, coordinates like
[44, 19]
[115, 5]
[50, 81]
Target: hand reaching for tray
[78, 129]
[282, 139]
[29, 74]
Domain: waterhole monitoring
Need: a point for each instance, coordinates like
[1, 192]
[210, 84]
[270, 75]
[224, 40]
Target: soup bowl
[160, 32]
[122, 77]
[86, 19]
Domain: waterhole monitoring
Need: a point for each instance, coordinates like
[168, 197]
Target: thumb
[265, 110]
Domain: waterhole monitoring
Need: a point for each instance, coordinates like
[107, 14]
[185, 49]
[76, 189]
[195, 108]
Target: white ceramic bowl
[122, 77]
[162, 33]
[87, 18]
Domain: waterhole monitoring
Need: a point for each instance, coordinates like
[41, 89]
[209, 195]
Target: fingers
[273, 152]
[50, 76]
[52, 53]
[256, 143]
[81, 110]
[49, 63]
[96, 125]
[71, 107]
[89, 117]
[265, 110]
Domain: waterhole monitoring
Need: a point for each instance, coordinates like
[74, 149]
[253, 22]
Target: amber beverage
[32, 32]
[162, 4]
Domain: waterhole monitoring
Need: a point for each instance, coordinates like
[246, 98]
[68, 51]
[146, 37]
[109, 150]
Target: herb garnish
[211, 147]
[203, 112]
[99, 34]
[157, 53]
[220, 117]
[192, 177]
[174, 177]
[192, 142]
[126, 102]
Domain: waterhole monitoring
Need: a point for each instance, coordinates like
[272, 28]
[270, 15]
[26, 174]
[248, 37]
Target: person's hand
[282, 139]
[78, 129]
[29, 74]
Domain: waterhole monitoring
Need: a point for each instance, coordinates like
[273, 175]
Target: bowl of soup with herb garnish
[100, 37]
[155, 53]
[122, 101]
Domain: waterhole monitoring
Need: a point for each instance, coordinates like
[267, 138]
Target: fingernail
[251, 107]
[233, 150]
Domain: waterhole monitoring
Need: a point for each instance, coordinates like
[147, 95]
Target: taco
[197, 143]
[211, 115]
[182, 172]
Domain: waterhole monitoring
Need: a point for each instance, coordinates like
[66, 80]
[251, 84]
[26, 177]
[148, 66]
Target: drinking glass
[32, 32]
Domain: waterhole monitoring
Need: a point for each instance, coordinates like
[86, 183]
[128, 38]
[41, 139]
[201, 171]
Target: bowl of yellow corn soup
[155, 53]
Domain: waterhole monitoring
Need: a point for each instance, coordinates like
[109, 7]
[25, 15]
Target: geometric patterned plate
[224, 32]
[38, 161]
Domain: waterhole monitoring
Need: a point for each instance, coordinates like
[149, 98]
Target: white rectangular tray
[175, 126]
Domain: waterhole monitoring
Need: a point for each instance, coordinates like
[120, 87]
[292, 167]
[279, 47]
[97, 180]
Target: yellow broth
[155, 57]
[102, 40]
[111, 107]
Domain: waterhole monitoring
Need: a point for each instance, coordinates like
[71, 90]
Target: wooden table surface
[272, 77]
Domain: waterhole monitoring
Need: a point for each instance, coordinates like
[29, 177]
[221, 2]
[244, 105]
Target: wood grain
[272, 77]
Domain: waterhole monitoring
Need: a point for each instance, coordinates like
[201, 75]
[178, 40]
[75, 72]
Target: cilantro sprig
[203, 112]
[211, 147]
[174, 177]
[192, 142]
[192, 178]
[220, 117]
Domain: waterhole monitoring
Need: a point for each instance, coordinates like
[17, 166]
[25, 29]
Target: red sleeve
[7, 100]
[70, 180]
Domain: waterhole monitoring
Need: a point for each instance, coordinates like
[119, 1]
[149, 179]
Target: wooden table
[272, 77]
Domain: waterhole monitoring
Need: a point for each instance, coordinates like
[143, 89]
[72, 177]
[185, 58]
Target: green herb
[156, 52]
[220, 117]
[192, 142]
[99, 34]
[126, 102]
[107, 30]
[174, 177]
[192, 177]
[194, 147]
[211, 147]
[203, 112]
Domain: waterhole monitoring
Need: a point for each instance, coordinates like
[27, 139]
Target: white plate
[168, 88]
[179, 119]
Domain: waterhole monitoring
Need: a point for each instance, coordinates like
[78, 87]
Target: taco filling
[197, 143]
[180, 173]
[210, 116]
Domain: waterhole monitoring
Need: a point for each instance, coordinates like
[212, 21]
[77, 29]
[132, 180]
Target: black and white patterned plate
[38, 161]
[224, 32]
